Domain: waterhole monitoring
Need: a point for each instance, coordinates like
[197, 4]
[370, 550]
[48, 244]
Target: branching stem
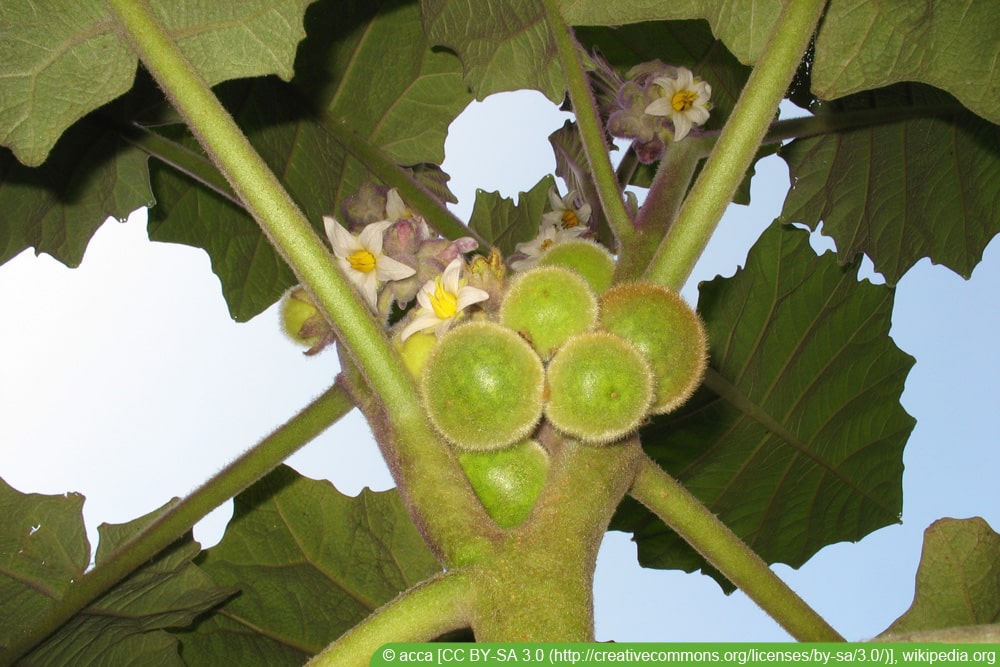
[422, 613]
[699, 527]
[315, 418]
[737, 145]
[588, 121]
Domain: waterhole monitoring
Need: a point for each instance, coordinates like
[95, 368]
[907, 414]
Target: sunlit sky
[127, 381]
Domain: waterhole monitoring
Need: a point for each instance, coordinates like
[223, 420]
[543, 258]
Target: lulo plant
[521, 387]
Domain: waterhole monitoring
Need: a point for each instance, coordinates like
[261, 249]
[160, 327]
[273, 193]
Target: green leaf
[744, 25]
[900, 191]
[505, 224]
[43, 550]
[401, 100]
[63, 59]
[310, 563]
[49, 551]
[950, 44]
[509, 47]
[56, 208]
[796, 441]
[958, 579]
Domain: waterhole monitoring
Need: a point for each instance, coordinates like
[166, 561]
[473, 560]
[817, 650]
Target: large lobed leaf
[505, 46]
[401, 100]
[900, 191]
[310, 564]
[45, 550]
[861, 45]
[504, 223]
[797, 440]
[61, 59]
[958, 579]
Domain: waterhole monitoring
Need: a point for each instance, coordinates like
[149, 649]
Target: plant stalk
[699, 527]
[737, 144]
[315, 418]
[422, 613]
[588, 122]
[293, 237]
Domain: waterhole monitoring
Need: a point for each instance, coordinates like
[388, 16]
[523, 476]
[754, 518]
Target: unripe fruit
[415, 351]
[600, 387]
[301, 320]
[507, 481]
[671, 335]
[482, 387]
[547, 305]
[588, 258]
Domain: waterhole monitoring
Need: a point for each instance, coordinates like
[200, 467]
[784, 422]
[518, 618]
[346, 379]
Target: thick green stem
[737, 145]
[659, 211]
[588, 121]
[422, 613]
[181, 517]
[291, 234]
[539, 587]
[700, 528]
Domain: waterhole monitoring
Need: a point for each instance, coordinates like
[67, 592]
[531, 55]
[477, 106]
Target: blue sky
[127, 381]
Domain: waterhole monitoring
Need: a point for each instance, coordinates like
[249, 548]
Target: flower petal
[341, 240]
[469, 295]
[388, 268]
[371, 236]
[424, 319]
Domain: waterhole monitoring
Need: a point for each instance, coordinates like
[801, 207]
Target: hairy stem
[422, 613]
[588, 121]
[699, 527]
[181, 517]
[737, 145]
[659, 211]
[293, 237]
[412, 191]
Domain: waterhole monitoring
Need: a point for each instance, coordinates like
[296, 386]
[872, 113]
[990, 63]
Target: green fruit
[671, 335]
[482, 387]
[301, 320]
[547, 305]
[588, 258]
[415, 350]
[600, 387]
[507, 481]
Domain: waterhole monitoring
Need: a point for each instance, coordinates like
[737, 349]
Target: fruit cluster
[594, 367]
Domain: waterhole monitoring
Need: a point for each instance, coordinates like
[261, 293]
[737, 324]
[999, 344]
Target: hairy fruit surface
[667, 330]
[482, 387]
[600, 388]
[507, 481]
[301, 320]
[588, 258]
[547, 305]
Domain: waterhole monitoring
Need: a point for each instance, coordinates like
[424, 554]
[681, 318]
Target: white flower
[395, 209]
[361, 259]
[548, 236]
[684, 100]
[565, 214]
[442, 301]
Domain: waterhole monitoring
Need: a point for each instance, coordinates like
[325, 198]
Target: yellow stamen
[569, 219]
[546, 244]
[362, 261]
[683, 100]
[445, 303]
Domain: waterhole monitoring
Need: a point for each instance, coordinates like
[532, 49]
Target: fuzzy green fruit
[482, 387]
[671, 335]
[301, 320]
[547, 305]
[588, 258]
[415, 351]
[507, 481]
[600, 388]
